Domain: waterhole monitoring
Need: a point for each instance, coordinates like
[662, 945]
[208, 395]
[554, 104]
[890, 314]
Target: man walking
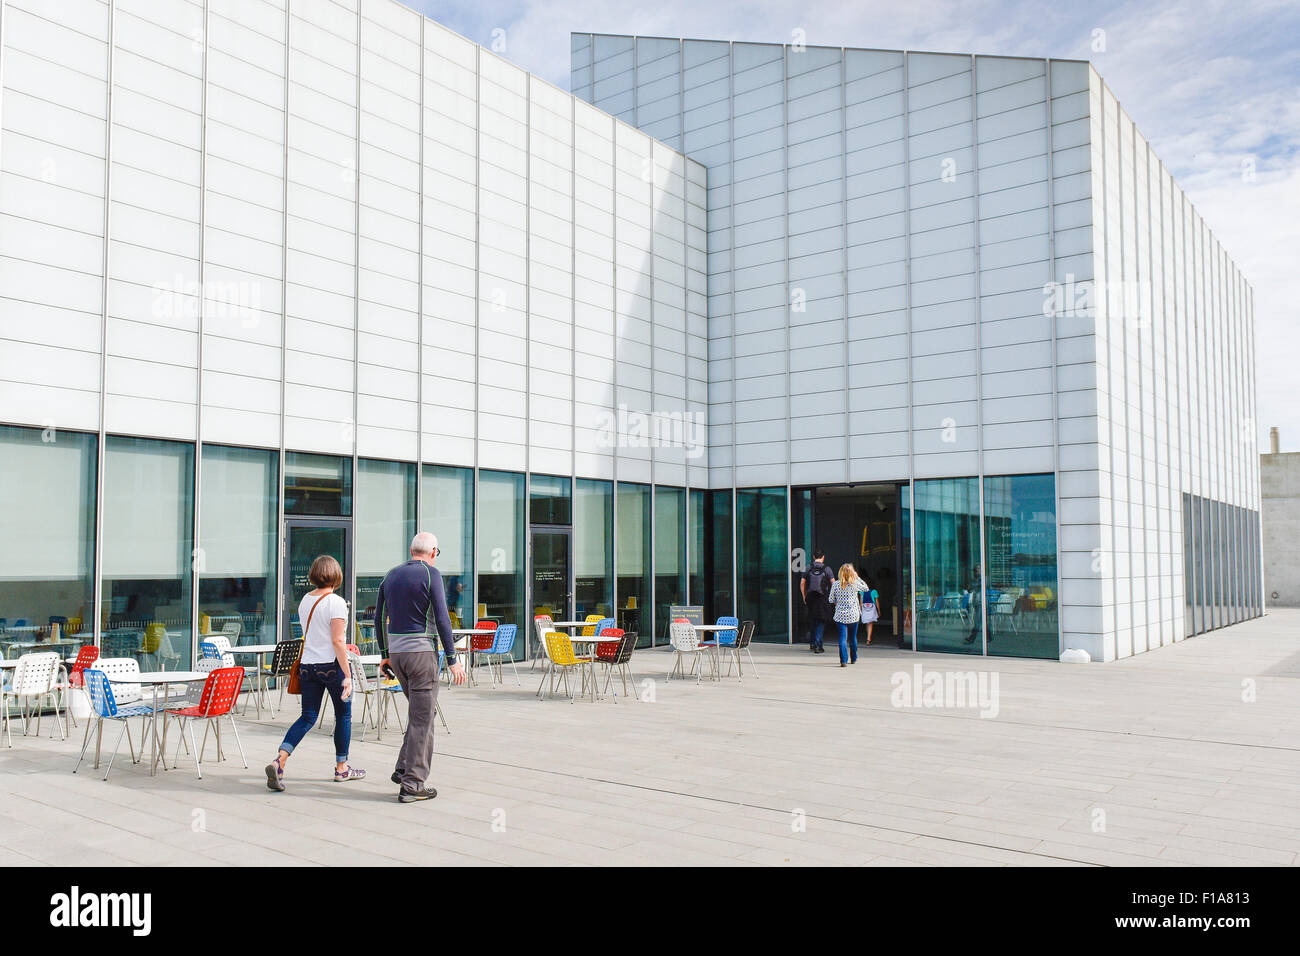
[410, 596]
[815, 587]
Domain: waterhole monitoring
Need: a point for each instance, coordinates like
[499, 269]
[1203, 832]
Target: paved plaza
[1185, 755]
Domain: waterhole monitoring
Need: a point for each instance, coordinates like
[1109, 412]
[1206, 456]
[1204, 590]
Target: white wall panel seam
[979, 355]
[197, 561]
[1054, 321]
[907, 309]
[103, 331]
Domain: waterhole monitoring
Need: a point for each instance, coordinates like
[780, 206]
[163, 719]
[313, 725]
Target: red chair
[615, 655]
[217, 700]
[482, 642]
[88, 654]
[352, 649]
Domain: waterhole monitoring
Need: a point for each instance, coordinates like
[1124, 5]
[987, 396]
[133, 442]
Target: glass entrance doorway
[856, 525]
[305, 540]
[552, 584]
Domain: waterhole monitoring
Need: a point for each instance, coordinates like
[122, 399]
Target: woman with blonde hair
[322, 668]
[846, 596]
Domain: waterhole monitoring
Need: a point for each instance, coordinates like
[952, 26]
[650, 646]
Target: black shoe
[413, 796]
[812, 648]
[396, 777]
[842, 664]
[969, 640]
[854, 661]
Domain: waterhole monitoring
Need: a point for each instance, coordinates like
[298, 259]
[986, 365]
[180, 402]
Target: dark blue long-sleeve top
[411, 597]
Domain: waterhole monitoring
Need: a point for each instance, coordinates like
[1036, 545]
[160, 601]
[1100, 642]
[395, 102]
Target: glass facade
[669, 556]
[148, 551]
[632, 549]
[501, 551]
[237, 561]
[447, 510]
[382, 531]
[947, 539]
[1222, 564]
[47, 524]
[1020, 546]
[593, 555]
[632, 532]
[763, 561]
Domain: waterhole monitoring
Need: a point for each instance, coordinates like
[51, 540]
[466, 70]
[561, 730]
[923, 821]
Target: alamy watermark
[624, 428]
[977, 690]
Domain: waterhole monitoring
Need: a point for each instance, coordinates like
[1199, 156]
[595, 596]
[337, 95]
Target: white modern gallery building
[287, 277]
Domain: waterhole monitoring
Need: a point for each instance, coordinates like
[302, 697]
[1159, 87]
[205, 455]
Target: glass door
[306, 539]
[552, 587]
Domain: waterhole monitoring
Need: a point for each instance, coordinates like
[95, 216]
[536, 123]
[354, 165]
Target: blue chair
[104, 707]
[727, 638]
[502, 649]
[210, 651]
[603, 625]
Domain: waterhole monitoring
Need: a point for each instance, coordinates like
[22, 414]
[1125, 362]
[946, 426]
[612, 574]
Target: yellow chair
[205, 624]
[455, 619]
[74, 626]
[593, 620]
[559, 652]
[153, 637]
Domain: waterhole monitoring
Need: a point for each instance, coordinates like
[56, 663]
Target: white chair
[373, 687]
[686, 642]
[35, 677]
[222, 643]
[544, 626]
[231, 631]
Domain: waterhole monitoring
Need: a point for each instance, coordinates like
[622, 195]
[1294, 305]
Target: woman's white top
[848, 607]
[318, 646]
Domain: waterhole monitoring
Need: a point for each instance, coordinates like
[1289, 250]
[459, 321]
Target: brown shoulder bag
[295, 687]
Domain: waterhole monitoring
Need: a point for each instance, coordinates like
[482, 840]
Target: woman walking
[323, 667]
[870, 607]
[848, 611]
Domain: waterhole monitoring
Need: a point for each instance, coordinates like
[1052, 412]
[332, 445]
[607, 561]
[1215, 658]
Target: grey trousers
[418, 673]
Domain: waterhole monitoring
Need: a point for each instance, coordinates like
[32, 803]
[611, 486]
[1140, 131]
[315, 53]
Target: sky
[1214, 85]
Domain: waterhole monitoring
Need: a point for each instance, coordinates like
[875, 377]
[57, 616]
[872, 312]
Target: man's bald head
[424, 545]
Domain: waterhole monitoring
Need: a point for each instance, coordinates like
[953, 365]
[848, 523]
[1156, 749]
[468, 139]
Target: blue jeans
[315, 680]
[848, 642]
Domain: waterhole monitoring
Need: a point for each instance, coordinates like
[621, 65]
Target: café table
[706, 629]
[156, 680]
[469, 633]
[259, 651]
[590, 642]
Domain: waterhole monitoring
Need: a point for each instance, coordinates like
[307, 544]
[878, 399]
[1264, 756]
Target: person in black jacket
[411, 597]
[815, 587]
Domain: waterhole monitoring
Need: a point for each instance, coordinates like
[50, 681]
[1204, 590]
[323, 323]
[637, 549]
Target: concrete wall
[1280, 486]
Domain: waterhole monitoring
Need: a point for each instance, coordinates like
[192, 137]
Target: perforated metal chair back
[683, 637]
[593, 620]
[746, 634]
[35, 675]
[102, 702]
[121, 667]
[286, 652]
[605, 624]
[209, 651]
[727, 638]
[606, 651]
[219, 691]
[560, 649]
[504, 640]
[88, 654]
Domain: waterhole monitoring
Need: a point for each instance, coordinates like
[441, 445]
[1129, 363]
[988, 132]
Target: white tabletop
[369, 658]
[254, 649]
[9, 665]
[473, 630]
[713, 627]
[573, 623]
[157, 677]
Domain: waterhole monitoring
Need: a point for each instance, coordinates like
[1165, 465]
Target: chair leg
[515, 669]
[238, 743]
[442, 718]
[85, 742]
[116, 747]
[198, 754]
[751, 662]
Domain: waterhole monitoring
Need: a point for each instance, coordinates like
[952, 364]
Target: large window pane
[501, 546]
[1020, 538]
[447, 510]
[548, 500]
[762, 562]
[383, 528]
[593, 529]
[907, 623]
[632, 562]
[317, 485]
[47, 526]
[238, 510]
[947, 538]
[695, 553]
[670, 555]
[721, 561]
[1189, 569]
[147, 549]
[803, 544]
